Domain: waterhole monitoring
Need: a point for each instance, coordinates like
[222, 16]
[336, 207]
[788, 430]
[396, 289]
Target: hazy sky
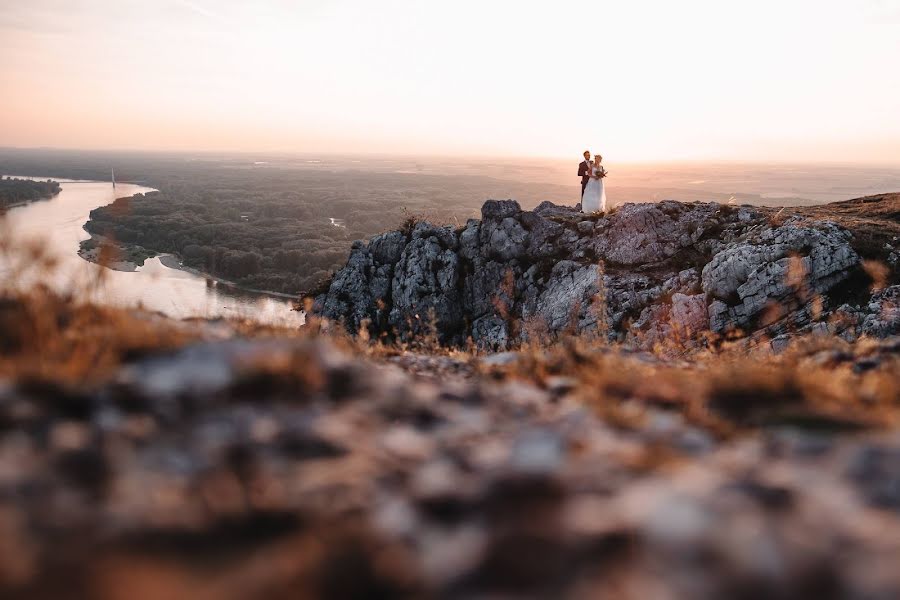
[635, 79]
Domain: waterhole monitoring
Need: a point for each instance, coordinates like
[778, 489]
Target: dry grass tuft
[818, 384]
[46, 336]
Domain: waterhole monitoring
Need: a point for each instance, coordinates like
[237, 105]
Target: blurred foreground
[142, 457]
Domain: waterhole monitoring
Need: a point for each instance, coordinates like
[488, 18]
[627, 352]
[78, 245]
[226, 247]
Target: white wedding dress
[594, 199]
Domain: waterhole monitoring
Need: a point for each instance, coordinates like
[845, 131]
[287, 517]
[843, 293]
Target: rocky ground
[641, 273]
[609, 451]
[142, 458]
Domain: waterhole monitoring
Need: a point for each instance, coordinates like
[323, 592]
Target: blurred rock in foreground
[230, 466]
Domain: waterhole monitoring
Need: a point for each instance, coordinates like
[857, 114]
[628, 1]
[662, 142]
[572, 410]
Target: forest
[257, 243]
[19, 191]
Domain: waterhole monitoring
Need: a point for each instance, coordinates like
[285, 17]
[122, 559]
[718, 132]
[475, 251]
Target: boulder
[649, 233]
[787, 264]
[425, 289]
[499, 209]
[689, 313]
[387, 248]
[567, 299]
[351, 295]
[882, 316]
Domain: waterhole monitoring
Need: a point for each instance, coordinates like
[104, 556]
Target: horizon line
[505, 157]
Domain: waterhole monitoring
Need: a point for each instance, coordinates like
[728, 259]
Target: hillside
[873, 220]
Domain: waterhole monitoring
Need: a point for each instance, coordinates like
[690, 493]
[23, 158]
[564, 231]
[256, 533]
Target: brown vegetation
[874, 222]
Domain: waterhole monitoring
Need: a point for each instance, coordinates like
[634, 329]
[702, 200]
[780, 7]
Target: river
[57, 226]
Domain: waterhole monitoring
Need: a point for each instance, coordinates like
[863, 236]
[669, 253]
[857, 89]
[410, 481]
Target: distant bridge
[66, 181]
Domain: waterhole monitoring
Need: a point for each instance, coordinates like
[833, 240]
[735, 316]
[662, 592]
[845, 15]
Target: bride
[594, 199]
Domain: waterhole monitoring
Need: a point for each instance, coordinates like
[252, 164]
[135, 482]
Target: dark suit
[584, 171]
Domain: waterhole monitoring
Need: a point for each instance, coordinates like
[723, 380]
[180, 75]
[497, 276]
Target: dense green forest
[276, 224]
[19, 191]
[256, 242]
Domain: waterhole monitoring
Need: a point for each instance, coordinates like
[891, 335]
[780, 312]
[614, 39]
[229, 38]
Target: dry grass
[46, 336]
[411, 219]
[816, 384]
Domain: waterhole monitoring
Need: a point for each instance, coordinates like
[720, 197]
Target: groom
[584, 171]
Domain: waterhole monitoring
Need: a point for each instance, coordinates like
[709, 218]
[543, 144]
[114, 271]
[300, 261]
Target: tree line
[20, 191]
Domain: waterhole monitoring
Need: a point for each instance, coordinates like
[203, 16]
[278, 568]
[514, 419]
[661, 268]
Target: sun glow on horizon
[653, 80]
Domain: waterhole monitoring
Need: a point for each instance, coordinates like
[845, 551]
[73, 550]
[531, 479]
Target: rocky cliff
[641, 272]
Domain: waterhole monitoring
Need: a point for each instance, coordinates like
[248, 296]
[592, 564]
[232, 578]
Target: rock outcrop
[641, 271]
[879, 317]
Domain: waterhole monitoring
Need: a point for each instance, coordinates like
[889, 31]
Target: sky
[637, 80]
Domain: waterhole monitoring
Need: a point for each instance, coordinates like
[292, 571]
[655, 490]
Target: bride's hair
[598, 157]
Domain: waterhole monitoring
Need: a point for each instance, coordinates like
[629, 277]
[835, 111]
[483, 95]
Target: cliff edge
[641, 272]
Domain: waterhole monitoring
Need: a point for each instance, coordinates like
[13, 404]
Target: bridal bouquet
[601, 173]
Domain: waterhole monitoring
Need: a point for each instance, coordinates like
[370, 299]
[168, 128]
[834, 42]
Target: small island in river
[120, 257]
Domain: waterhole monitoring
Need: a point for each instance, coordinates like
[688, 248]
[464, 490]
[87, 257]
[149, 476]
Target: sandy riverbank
[173, 262]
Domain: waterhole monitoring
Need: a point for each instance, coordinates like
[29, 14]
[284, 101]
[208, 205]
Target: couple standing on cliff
[593, 196]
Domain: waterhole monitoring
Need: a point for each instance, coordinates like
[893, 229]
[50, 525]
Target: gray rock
[649, 233]
[442, 235]
[549, 209]
[387, 248]
[468, 240]
[502, 240]
[883, 318]
[499, 209]
[780, 344]
[876, 470]
[483, 289]
[490, 332]
[669, 267]
[351, 296]
[566, 298]
[585, 227]
[689, 313]
[425, 287]
[537, 451]
[542, 235]
[778, 265]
